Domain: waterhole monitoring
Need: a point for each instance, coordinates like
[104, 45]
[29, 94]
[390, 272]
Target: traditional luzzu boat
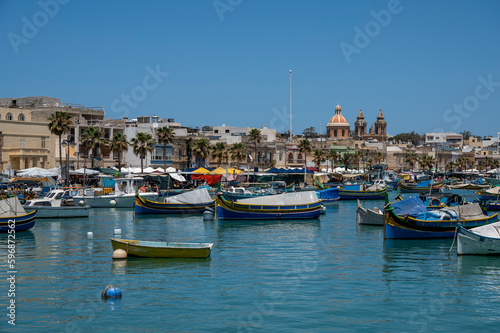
[410, 219]
[426, 186]
[363, 192]
[192, 202]
[150, 249]
[328, 195]
[14, 217]
[490, 194]
[297, 205]
[480, 240]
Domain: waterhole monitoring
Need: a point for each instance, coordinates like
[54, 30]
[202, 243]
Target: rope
[454, 238]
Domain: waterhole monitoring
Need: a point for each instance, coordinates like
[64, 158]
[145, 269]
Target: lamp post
[66, 144]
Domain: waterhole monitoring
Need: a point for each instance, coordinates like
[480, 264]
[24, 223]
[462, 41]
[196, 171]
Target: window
[343, 133]
[216, 131]
[23, 143]
[42, 144]
[299, 157]
[335, 133]
[8, 116]
[290, 157]
[20, 117]
[227, 131]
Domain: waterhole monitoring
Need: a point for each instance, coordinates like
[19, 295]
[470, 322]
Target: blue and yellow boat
[427, 186]
[362, 192]
[193, 202]
[299, 205]
[14, 217]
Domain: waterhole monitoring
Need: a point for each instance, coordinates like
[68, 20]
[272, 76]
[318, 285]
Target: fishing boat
[410, 219]
[14, 217]
[123, 195]
[367, 216]
[328, 195]
[237, 193]
[363, 192]
[150, 249]
[490, 194]
[480, 240]
[192, 202]
[426, 186]
[55, 204]
[296, 205]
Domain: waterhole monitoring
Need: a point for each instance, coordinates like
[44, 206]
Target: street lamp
[67, 144]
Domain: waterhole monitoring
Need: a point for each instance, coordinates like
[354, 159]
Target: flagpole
[290, 105]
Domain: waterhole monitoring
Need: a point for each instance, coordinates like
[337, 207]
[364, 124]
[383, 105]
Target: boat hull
[58, 212]
[21, 222]
[162, 249]
[469, 242]
[369, 217]
[145, 206]
[229, 210]
[418, 189]
[362, 195]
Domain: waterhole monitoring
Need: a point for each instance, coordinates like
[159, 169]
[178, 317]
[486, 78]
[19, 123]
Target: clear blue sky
[228, 61]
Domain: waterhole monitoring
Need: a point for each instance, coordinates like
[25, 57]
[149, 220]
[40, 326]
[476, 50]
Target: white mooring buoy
[119, 254]
[90, 235]
[117, 231]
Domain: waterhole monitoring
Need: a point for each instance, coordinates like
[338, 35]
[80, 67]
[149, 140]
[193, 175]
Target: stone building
[378, 133]
[338, 127]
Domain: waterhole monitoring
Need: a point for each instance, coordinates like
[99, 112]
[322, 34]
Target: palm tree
[165, 135]
[92, 140]
[495, 164]
[201, 149]
[305, 147]
[450, 166]
[255, 137]
[238, 152]
[358, 155]
[369, 162]
[219, 152]
[346, 160]
[379, 157]
[487, 163]
[59, 123]
[318, 157]
[411, 158]
[119, 144]
[142, 144]
[332, 156]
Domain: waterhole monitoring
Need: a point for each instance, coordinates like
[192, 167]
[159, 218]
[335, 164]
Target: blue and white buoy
[111, 292]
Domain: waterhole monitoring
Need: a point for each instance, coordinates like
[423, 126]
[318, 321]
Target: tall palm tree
[59, 123]
[495, 164]
[333, 156]
[142, 144]
[305, 147]
[255, 138]
[165, 135]
[450, 166]
[118, 145]
[92, 139]
[219, 152]
[369, 162]
[487, 163]
[358, 155]
[346, 160]
[238, 152]
[411, 158]
[379, 157]
[318, 157]
[201, 149]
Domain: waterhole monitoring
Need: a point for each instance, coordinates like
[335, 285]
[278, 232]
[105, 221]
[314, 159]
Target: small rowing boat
[150, 249]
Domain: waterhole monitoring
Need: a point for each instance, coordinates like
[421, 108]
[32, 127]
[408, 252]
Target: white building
[232, 134]
[449, 139]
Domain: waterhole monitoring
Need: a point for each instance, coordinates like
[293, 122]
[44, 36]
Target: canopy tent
[223, 171]
[37, 172]
[201, 170]
[86, 171]
[177, 177]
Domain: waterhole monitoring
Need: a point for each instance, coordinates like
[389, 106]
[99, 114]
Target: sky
[428, 65]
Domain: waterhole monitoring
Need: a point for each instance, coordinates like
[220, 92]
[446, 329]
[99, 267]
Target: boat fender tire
[435, 202]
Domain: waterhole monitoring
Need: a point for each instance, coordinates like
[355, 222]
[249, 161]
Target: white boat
[123, 195]
[479, 240]
[57, 203]
[374, 216]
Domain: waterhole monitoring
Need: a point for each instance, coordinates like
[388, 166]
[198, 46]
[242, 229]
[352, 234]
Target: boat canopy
[11, 207]
[411, 206]
[284, 199]
[192, 197]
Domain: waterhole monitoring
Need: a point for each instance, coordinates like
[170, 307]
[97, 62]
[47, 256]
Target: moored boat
[367, 216]
[192, 202]
[426, 186]
[410, 219]
[480, 240]
[151, 249]
[363, 192]
[56, 204]
[297, 205]
[14, 217]
[328, 195]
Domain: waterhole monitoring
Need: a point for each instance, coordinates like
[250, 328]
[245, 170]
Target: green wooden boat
[150, 249]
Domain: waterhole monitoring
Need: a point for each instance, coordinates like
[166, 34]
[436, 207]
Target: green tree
[305, 147]
[238, 152]
[59, 123]
[165, 135]
[450, 166]
[310, 132]
[220, 152]
[142, 144]
[333, 156]
[255, 138]
[411, 158]
[318, 158]
[92, 139]
[358, 156]
[201, 149]
[346, 160]
[119, 144]
[413, 137]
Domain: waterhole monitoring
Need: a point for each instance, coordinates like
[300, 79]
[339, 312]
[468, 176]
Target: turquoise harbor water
[303, 276]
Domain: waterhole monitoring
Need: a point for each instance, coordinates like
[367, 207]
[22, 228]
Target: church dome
[338, 119]
[338, 108]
